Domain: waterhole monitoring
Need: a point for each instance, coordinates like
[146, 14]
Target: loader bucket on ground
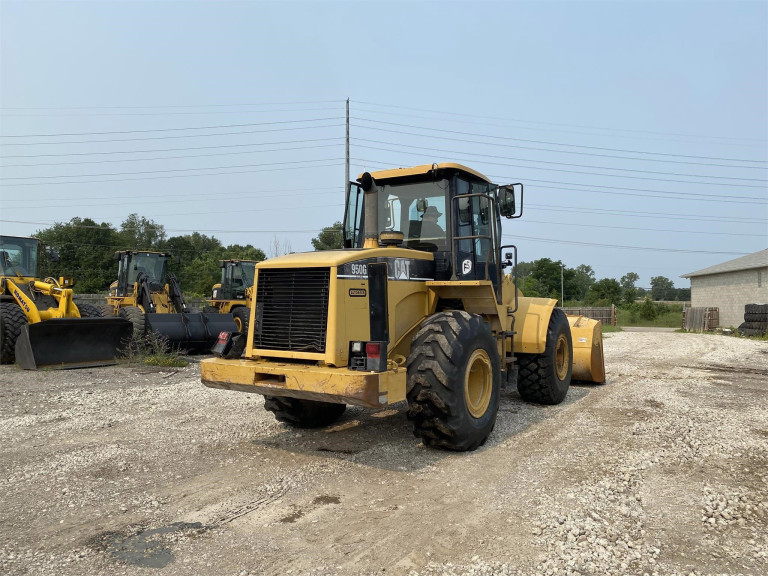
[72, 342]
[191, 331]
[588, 362]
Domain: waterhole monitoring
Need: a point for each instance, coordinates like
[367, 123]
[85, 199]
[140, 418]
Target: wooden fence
[701, 319]
[606, 315]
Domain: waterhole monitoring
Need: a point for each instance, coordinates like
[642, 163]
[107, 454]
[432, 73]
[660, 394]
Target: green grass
[672, 318]
[153, 350]
[609, 328]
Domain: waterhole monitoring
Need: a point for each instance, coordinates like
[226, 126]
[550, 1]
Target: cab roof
[424, 170]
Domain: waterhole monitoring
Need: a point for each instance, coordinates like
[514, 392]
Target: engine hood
[330, 258]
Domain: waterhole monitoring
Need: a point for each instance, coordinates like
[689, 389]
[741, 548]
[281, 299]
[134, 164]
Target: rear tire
[241, 315]
[107, 311]
[11, 320]
[210, 310]
[453, 381]
[135, 316]
[545, 378]
[90, 311]
[301, 413]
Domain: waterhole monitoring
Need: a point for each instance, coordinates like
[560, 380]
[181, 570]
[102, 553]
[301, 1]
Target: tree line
[86, 252]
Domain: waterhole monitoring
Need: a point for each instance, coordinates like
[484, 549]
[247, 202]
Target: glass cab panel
[18, 256]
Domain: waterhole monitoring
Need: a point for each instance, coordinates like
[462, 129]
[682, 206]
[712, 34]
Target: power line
[334, 160]
[442, 138]
[623, 247]
[281, 103]
[554, 123]
[761, 143]
[166, 113]
[151, 150]
[174, 157]
[666, 194]
[549, 143]
[183, 136]
[552, 162]
[638, 214]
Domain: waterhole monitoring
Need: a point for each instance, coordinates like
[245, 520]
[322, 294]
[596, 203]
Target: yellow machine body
[311, 314]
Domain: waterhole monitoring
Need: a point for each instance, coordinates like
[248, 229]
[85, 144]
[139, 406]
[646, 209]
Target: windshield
[18, 256]
[153, 265]
[417, 210]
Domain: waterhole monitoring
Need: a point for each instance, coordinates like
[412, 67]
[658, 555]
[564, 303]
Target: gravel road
[140, 471]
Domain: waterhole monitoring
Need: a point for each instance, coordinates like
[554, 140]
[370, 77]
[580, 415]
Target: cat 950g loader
[416, 307]
[40, 324]
[150, 298]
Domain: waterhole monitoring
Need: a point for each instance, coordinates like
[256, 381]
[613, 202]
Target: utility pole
[346, 180]
[562, 297]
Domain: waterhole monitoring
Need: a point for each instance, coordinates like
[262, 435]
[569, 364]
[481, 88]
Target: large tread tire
[11, 320]
[454, 378]
[545, 378]
[90, 311]
[107, 311]
[241, 315]
[301, 413]
[135, 316]
[210, 310]
[756, 325]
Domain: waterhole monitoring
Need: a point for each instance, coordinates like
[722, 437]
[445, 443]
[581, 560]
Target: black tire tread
[301, 413]
[435, 385]
[12, 319]
[535, 372]
[210, 310]
[243, 313]
[136, 317]
[90, 311]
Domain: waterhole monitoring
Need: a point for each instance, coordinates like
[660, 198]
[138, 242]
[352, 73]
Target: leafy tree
[329, 238]
[247, 252]
[662, 288]
[524, 269]
[628, 287]
[581, 279]
[605, 291]
[85, 252]
[548, 275]
[139, 233]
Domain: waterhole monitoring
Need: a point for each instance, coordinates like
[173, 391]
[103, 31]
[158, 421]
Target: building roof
[748, 262]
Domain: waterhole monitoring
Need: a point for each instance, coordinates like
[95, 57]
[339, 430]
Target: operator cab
[236, 277]
[153, 264]
[446, 209]
[18, 256]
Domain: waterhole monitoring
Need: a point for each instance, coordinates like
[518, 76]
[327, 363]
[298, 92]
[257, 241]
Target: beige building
[731, 285]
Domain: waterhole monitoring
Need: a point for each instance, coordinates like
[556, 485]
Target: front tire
[11, 320]
[241, 315]
[135, 316]
[545, 378]
[303, 413]
[454, 379]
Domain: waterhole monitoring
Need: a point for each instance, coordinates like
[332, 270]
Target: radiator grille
[292, 309]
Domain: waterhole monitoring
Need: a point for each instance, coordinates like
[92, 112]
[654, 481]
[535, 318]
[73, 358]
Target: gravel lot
[138, 471]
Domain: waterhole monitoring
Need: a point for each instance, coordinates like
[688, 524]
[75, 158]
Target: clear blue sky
[638, 128]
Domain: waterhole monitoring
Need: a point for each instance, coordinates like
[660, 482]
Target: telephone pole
[346, 180]
[562, 292]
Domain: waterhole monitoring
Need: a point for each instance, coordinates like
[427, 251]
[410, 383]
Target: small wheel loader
[148, 296]
[40, 325]
[233, 293]
[418, 306]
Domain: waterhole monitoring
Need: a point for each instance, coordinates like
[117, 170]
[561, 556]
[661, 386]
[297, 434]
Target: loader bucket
[191, 331]
[588, 362]
[71, 342]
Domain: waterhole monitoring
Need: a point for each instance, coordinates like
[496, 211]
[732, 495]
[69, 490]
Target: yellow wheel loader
[233, 293]
[148, 296]
[417, 307]
[40, 325]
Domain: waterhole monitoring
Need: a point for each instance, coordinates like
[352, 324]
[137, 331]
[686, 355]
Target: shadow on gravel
[384, 438]
[148, 547]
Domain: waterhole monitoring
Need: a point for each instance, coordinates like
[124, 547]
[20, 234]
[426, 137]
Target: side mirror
[507, 201]
[421, 205]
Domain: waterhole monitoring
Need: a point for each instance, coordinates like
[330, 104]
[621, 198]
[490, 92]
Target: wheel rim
[238, 323]
[562, 357]
[478, 386]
